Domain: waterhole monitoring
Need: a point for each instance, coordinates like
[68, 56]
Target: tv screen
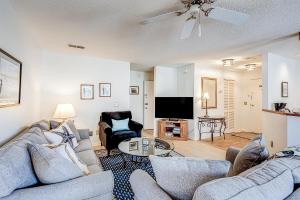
[174, 107]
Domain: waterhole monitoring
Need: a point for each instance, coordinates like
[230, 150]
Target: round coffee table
[139, 149]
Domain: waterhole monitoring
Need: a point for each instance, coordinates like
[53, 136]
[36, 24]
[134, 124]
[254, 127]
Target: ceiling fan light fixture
[228, 62]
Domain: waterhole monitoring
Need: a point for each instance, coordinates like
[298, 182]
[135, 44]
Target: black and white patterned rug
[122, 189]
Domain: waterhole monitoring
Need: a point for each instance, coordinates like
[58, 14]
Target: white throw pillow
[53, 138]
[61, 130]
[66, 151]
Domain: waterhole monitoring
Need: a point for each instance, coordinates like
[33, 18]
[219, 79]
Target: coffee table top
[156, 147]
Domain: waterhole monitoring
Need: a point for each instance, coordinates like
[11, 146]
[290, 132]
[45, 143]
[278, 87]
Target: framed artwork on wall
[105, 89]
[284, 89]
[209, 92]
[86, 91]
[134, 90]
[10, 80]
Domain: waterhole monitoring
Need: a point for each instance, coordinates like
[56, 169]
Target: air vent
[76, 46]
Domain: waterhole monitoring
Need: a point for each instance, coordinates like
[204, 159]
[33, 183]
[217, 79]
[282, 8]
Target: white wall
[62, 75]
[15, 40]
[202, 70]
[276, 70]
[165, 84]
[137, 78]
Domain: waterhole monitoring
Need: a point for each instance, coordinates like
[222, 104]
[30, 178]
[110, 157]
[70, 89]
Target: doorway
[148, 105]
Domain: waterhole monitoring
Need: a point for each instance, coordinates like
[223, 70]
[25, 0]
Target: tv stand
[172, 129]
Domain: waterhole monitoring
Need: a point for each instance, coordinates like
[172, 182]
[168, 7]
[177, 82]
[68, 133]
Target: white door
[255, 106]
[148, 105]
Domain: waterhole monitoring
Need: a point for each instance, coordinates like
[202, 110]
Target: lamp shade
[206, 95]
[64, 111]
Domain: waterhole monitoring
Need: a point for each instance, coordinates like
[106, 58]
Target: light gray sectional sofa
[15, 162]
[271, 180]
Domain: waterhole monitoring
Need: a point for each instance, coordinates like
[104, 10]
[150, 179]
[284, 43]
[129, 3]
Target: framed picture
[284, 89]
[104, 89]
[10, 80]
[86, 92]
[133, 146]
[134, 90]
[209, 87]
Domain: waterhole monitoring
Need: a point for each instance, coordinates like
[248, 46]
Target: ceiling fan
[194, 8]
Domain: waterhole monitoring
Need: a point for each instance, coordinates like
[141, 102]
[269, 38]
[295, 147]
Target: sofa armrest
[231, 154]
[145, 188]
[135, 126]
[85, 133]
[86, 187]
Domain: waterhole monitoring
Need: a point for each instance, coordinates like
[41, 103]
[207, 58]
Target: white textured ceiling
[111, 28]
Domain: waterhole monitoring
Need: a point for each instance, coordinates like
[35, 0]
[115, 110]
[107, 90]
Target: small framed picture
[284, 89]
[133, 146]
[105, 89]
[86, 91]
[134, 90]
[145, 142]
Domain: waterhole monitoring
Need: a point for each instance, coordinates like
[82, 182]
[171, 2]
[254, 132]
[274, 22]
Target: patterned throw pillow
[65, 135]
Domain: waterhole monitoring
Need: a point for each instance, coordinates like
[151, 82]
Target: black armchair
[111, 139]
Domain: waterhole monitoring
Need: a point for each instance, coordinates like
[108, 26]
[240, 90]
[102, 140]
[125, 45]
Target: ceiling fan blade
[188, 28]
[163, 16]
[199, 26]
[229, 16]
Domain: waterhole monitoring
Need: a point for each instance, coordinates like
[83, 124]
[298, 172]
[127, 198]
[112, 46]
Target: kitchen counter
[282, 113]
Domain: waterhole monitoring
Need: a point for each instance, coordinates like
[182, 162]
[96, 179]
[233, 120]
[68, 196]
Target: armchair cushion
[84, 133]
[180, 177]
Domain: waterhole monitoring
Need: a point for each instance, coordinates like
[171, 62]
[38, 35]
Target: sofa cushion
[251, 155]
[34, 135]
[270, 180]
[84, 145]
[16, 170]
[43, 124]
[295, 195]
[88, 157]
[95, 169]
[50, 167]
[180, 177]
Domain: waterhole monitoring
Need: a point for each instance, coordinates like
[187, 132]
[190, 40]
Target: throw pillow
[181, 176]
[16, 170]
[68, 153]
[54, 124]
[74, 129]
[67, 135]
[50, 167]
[120, 125]
[251, 155]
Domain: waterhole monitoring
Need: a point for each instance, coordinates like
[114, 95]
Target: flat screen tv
[174, 107]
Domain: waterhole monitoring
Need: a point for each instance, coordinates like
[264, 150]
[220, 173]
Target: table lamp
[206, 97]
[64, 112]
